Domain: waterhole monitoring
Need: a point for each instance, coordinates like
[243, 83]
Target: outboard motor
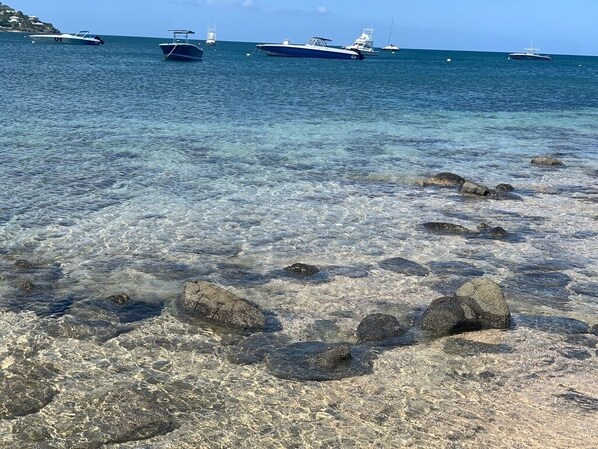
[100, 39]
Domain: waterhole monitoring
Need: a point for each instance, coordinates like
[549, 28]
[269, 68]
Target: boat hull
[181, 51]
[64, 39]
[525, 57]
[304, 51]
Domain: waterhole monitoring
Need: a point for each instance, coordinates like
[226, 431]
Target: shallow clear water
[124, 173]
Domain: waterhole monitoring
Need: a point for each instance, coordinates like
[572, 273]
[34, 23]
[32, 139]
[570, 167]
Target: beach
[124, 177]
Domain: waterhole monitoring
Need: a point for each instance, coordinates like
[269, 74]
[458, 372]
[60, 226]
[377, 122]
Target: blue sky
[556, 26]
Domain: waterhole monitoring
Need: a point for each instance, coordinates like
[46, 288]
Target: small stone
[27, 286]
[473, 189]
[23, 264]
[302, 269]
[504, 188]
[497, 233]
[121, 298]
[546, 160]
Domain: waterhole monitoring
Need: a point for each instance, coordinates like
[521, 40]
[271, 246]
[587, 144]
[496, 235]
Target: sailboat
[211, 38]
[390, 47]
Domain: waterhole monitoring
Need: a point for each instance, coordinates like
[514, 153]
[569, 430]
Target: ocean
[125, 176]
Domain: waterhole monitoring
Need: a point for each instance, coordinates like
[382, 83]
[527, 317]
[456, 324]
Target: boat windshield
[318, 41]
[178, 35]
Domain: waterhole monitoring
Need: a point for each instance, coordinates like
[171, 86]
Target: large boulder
[215, 304]
[448, 315]
[378, 327]
[444, 180]
[489, 297]
[478, 304]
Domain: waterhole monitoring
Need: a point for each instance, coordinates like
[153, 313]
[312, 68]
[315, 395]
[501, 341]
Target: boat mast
[390, 31]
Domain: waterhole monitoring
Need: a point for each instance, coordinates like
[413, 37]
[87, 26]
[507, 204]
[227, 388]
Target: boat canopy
[319, 41]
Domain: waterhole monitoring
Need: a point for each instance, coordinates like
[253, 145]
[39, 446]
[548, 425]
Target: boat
[316, 47]
[180, 49]
[80, 38]
[364, 43]
[530, 54]
[211, 37]
[390, 47]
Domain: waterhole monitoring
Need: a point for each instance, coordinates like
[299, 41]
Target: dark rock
[504, 188]
[594, 329]
[336, 357]
[120, 414]
[470, 348]
[585, 402]
[27, 286]
[444, 180]
[256, 348]
[447, 315]
[319, 361]
[576, 353]
[546, 160]
[490, 299]
[378, 327]
[497, 233]
[25, 389]
[302, 269]
[552, 324]
[448, 228]
[23, 264]
[546, 288]
[121, 298]
[404, 266]
[483, 227]
[473, 189]
[213, 303]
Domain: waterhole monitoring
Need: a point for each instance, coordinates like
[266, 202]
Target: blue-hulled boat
[316, 47]
[180, 49]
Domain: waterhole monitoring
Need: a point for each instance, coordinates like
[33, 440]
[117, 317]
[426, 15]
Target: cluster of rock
[470, 188]
[478, 304]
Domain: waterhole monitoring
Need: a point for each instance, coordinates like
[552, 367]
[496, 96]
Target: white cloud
[322, 9]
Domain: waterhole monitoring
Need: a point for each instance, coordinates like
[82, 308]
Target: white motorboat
[80, 38]
[316, 47]
[364, 43]
[530, 54]
[180, 49]
[211, 37]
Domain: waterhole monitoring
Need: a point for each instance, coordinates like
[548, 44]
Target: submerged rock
[213, 303]
[377, 327]
[121, 298]
[444, 180]
[448, 228]
[470, 348]
[319, 361]
[404, 266]
[302, 269]
[546, 160]
[25, 389]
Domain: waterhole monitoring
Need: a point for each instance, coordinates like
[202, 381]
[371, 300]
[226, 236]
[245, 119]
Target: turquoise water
[122, 172]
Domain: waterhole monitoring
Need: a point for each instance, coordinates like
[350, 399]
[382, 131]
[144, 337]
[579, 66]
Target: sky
[556, 26]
